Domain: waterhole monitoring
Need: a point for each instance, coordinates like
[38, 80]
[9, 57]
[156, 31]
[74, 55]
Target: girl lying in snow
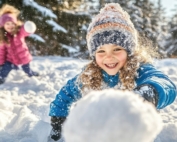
[119, 61]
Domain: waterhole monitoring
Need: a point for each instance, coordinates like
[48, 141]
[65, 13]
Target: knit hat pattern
[111, 26]
[7, 17]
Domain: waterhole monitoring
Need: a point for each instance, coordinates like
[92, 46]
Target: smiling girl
[119, 61]
[13, 49]
[111, 58]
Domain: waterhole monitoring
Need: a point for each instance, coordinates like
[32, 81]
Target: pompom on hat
[111, 26]
[7, 17]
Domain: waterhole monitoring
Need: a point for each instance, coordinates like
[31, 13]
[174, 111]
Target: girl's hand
[56, 123]
[148, 92]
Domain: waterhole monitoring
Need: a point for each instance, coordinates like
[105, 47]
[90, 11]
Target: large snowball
[112, 116]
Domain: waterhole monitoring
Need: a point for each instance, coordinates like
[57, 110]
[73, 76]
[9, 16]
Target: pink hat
[7, 17]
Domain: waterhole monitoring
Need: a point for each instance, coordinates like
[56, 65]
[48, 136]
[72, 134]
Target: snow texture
[37, 37]
[56, 27]
[112, 116]
[45, 11]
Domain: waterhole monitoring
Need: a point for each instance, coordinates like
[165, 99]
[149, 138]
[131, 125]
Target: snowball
[112, 116]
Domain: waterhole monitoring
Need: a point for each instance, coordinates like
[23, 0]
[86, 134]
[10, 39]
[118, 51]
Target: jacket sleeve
[63, 100]
[166, 89]
[2, 54]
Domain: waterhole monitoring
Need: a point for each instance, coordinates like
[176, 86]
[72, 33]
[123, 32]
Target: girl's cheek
[98, 59]
[122, 56]
[98, 56]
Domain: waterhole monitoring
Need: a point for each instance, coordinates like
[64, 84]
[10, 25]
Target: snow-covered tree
[44, 19]
[162, 27]
[62, 24]
[146, 23]
[169, 44]
[60, 27]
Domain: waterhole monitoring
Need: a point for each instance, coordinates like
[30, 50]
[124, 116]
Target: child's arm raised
[28, 28]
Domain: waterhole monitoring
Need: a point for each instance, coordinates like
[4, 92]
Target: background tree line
[62, 24]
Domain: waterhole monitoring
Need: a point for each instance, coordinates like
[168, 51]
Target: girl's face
[9, 26]
[111, 58]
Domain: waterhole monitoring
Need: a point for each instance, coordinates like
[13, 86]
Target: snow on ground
[24, 101]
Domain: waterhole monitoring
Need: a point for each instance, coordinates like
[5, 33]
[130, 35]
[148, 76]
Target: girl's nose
[109, 55]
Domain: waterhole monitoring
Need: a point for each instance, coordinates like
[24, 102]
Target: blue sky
[168, 5]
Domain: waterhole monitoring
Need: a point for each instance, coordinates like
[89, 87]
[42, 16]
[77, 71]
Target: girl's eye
[117, 49]
[100, 51]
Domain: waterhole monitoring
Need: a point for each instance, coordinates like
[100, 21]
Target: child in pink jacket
[13, 49]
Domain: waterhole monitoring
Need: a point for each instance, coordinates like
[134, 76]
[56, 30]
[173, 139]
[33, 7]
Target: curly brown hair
[3, 34]
[91, 77]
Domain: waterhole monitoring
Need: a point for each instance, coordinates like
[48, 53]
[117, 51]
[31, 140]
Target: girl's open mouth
[110, 66]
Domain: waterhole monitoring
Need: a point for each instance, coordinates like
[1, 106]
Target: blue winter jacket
[147, 74]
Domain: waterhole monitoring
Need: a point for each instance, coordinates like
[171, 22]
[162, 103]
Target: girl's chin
[111, 73]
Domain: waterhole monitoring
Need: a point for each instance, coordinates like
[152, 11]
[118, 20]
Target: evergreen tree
[169, 44]
[59, 27]
[159, 24]
[62, 24]
[147, 26]
[136, 16]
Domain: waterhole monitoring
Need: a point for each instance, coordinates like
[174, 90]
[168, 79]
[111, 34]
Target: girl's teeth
[110, 65]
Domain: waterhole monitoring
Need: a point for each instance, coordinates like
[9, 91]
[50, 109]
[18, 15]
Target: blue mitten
[148, 92]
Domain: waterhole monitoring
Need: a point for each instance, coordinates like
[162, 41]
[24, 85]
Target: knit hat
[111, 26]
[7, 17]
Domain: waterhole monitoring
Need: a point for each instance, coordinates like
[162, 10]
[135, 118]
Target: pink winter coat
[17, 51]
